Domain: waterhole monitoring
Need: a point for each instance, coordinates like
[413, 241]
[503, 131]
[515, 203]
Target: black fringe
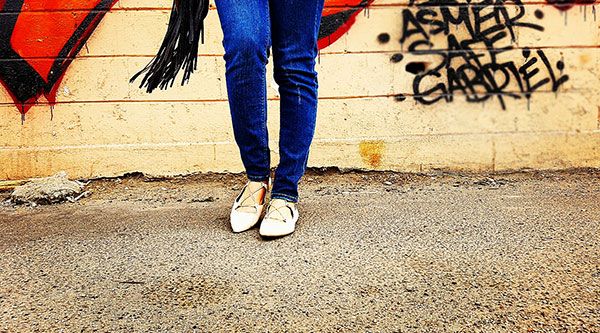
[179, 48]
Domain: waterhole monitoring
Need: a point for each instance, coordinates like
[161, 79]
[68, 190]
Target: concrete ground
[373, 252]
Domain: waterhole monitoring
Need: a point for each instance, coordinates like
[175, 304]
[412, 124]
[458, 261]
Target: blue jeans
[290, 28]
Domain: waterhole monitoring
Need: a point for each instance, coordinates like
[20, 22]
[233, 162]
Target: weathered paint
[370, 115]
[372, 152]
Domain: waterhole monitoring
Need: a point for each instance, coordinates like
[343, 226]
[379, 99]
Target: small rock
[387, 182]
[410, 289]
[205, 199]
[494, 183]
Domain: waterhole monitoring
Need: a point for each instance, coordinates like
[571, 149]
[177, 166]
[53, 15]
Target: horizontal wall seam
[205, 101]
[322, 53]
[355, 140]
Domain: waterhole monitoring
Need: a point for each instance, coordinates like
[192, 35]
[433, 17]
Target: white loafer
[245, 215]
[280, 219]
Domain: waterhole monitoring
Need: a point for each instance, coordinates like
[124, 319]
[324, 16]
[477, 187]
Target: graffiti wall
[409, 85]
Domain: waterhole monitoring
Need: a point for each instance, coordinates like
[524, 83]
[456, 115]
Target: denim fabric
[290, 28]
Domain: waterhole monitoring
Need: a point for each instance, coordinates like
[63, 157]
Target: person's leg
[294, 34]
[246, 30]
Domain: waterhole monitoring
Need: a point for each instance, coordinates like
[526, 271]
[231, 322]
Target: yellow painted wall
[369, 116]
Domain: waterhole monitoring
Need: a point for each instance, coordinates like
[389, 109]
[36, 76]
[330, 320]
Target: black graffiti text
[475, 36]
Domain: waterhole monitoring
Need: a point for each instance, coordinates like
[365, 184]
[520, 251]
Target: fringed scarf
[179, 49]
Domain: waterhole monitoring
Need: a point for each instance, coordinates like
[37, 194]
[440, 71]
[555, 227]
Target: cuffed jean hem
[258, 178]
[285, 197]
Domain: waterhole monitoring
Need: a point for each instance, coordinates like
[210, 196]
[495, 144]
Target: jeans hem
[257, 178]
[285, 197]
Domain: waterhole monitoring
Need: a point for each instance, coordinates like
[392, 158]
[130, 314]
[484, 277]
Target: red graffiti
[42, 35]
[568, 4]
[40, 38]
[38, 41]
[338, 17]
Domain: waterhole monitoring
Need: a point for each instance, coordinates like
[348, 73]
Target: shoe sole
[273, 237]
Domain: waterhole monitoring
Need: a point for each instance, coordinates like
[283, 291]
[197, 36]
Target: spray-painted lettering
[471, 56]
